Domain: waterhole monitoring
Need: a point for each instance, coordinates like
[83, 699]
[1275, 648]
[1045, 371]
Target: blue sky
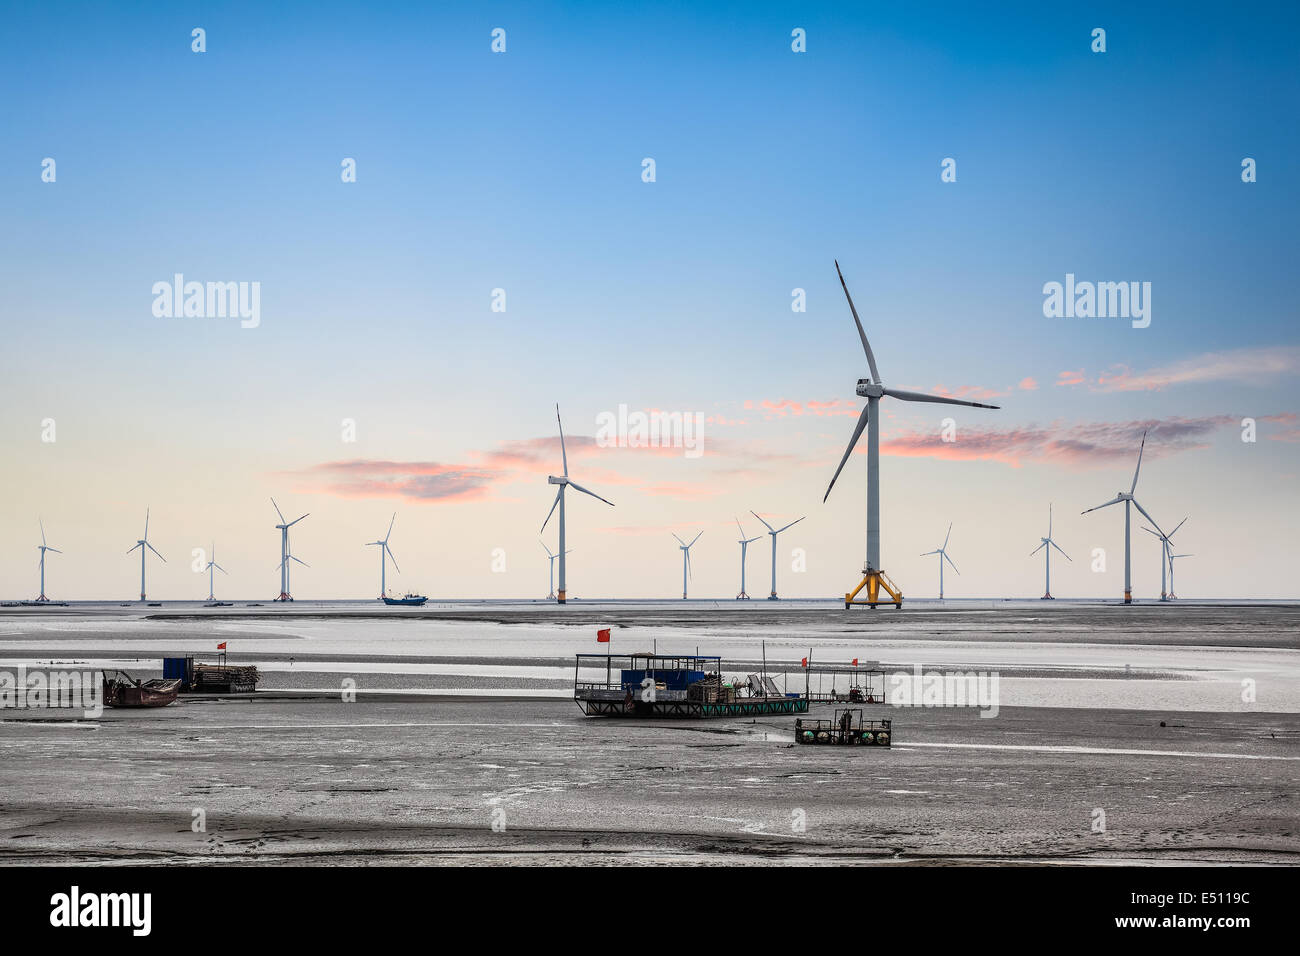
[522, 171]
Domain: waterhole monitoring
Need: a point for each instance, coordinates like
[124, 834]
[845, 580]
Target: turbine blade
[696, 538]
[1153, 521]
[42, 532]
[679, 540]
[219, 567]
[574, 484]
[155, 551]
[1179, 525]
[949, 560]
[129, 550]
[1058, 548]
[926, 554]
[390, 526]
[1141, 448]
[1149, 531]
[866, 346]
[739, 528]
[790, 525]
[545, 548]
[563, 454]
[1037, 549]
[765, 524]
[1114, 501]
[300, 561]
[277, 510]
[552, 511]
[857, 433]
[296, 520]
[1049, 521]
[146, 524]
[393, 556]
[948, 535]
[936, 399]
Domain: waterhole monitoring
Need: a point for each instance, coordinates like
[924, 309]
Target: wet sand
[286, 777]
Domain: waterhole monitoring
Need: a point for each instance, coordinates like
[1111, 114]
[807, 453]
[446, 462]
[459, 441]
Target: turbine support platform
[284, 597]
[1128, 596]
[742, 596]
[560, 598]
[874, 581]
[1047, 597]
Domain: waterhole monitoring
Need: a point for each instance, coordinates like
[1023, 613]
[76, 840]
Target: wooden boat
[123, 690]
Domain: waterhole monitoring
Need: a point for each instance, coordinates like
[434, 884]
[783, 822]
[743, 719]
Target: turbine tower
[774, 532]
[943, 556]
[385, 552]
[1049, 544]
[551, 596]
[213, 566]
[564, 482]
[744, 546]
[1172, 595]
[873, 577]
[686, 560]
[1166, 549]
[285, 555]
[43, 547]
[143, 544]
[1128, 499]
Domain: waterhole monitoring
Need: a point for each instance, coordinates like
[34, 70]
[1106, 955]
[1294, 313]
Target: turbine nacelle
[869, 389]
[552, 480]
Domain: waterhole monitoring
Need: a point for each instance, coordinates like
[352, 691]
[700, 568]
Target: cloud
[418, 480]
[1248, 366]
[786, 407]
[1085, 444]
[1028, 384]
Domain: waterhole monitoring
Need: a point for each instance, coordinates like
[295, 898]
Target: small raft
[123, 690]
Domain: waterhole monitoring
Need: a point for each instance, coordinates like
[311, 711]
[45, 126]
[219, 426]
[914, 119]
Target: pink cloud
[1028, 384]
[1070, 378]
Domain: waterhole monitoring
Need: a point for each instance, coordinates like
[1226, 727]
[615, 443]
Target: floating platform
[654, 685]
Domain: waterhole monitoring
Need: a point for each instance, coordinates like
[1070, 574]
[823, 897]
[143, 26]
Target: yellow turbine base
[875, 582]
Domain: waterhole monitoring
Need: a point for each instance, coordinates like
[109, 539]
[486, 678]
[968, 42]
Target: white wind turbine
[43, 547]
[144, 544]
[943, 556]
[385, 552]
[1172, 595]
[774, 532]
[873, 578]
[744, 546]
[1166, 551]
[1128, 499]
[552, 557]
[211, 569]
[1049, 544]
[686, 560]
[285, 555]
[564, 482]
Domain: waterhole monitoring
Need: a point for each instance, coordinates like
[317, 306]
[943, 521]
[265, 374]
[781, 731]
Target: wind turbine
[210, 569]
[686, 560]
[1049, 544]
[43, 548]
[1128, 499]
[551, 596]
[774, 532]
[285, 555]
[873, 578]
[564, 482]
[744, 546]
[1172, 595]
[943, 556]
[1166, 548]
[385, 552]
[144, 544]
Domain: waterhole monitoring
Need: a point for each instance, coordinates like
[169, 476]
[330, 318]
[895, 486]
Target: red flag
[602, 636]
[804, 662]
[221, 646]
[855, 662]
